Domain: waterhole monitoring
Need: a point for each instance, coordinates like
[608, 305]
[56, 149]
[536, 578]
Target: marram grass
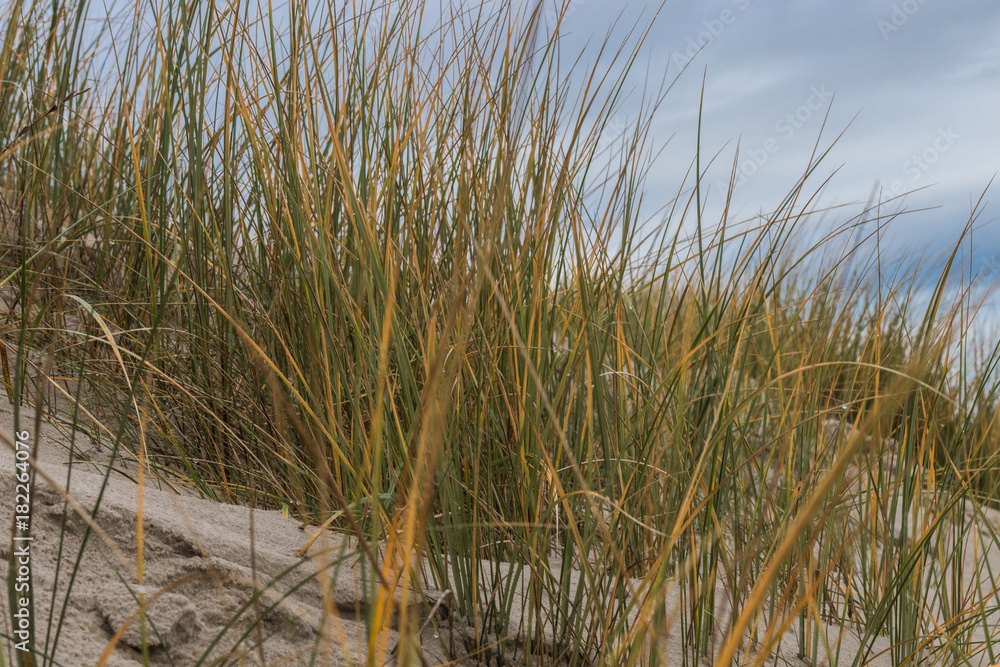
[386, 272]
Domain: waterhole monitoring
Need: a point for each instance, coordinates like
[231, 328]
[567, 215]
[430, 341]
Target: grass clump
[386, 272]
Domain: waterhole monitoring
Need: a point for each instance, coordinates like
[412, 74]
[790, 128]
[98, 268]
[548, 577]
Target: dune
[202, 560]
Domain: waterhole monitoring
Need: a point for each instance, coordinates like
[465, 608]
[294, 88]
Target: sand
[201, 564]
[196, 550]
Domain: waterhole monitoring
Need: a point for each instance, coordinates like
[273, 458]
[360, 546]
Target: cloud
[937, 71]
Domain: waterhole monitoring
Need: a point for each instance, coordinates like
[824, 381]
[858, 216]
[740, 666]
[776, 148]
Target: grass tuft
[386, 271]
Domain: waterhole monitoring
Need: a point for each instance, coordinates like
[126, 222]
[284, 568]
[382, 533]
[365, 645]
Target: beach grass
[389, 273]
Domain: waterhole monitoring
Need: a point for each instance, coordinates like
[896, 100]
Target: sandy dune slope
[201, 567]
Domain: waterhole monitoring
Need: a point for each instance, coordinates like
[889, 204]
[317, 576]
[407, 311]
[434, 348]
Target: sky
[911, 86]
[909, 90]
